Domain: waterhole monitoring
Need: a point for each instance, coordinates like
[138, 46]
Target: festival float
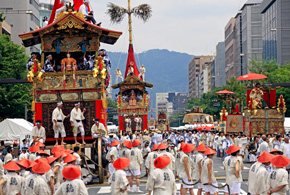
[162, 123]
[262, 113]
[68, 40]
[132, 99]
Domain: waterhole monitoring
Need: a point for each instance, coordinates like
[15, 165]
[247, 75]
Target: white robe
[118, 181]
[72, 187]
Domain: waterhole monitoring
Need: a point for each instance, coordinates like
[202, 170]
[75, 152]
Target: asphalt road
[218, 169]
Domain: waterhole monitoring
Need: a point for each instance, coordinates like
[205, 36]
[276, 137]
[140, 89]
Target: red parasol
[225, 92]
[252, 76]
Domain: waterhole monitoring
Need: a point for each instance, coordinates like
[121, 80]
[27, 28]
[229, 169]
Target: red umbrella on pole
[225, 92]
[252, 76]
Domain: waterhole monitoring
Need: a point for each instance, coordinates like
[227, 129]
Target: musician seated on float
[88, 14]
[48, 66]
[257, 95]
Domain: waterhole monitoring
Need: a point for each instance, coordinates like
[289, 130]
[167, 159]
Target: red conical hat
[33, 148]
[128, 144]
[41, 152]
[276, 150]
[41, 160]
[162, 162]
[265, 157]
[39, 144]
[11, 166]
[280, 161]
[41, 167]
[201, 148]
[155, 146]
[50, 159]
[121, 163]
[182, 144]
[162, 146]
[209, 151]
[187, 148]
[58, 154]
[26, 163]
[115, 143]
[70, 158]
[233, 148]
[71, 172]
[136, 142]
[57, 148]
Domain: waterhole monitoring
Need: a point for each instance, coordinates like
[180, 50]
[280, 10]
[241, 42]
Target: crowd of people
[167, 156]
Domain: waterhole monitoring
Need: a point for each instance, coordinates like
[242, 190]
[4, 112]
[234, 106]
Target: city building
[230, 49]
[5, 28]
[194, 68]
[251, 35]
[210, 88]
[276, 30]
[45, 9]
[220, 66]
[239, 44]
[212, 74]
[22, 16]
[171, 102]
[203, 80]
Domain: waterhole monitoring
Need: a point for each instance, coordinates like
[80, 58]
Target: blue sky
[189, 26]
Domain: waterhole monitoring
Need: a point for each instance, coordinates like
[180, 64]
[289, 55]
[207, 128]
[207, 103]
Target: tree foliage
[13, 97]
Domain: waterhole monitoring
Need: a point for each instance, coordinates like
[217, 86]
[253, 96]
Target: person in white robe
[76, 118]
[57, 121]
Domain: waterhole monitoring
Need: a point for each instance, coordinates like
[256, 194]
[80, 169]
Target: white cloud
[191, 26]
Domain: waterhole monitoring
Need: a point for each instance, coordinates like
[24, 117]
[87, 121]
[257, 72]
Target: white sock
[137, 189]
[131, 189]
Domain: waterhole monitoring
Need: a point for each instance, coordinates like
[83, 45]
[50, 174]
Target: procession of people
[169, 157]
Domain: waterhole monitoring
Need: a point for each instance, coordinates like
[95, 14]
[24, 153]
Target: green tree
[13, 97]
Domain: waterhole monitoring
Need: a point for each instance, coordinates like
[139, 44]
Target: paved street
[218, 169]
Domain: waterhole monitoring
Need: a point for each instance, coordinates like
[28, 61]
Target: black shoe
[99, 24]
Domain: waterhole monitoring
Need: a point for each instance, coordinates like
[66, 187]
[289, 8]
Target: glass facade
[269, 32]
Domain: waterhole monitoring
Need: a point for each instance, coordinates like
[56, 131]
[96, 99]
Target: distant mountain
[167, 70]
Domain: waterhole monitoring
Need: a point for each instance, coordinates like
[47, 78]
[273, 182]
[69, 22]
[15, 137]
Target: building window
[34, 19]
[34, 4]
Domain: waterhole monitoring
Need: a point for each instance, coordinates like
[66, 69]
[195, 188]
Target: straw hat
[155, 146]
[42, 160]
[136, 142]
[162, 162]
[276, 150]
[233, 149]
[11, 166]
[209, 151]
[280, 161]
[162, 146]
[128, 144]
[121, 163]
[71, 172]
[57, 148]
[265, 157]
[51, 159]
[201, 148]
[26, 163]
[33, 148]
[41, 167]
[187, 148]
[58, 154]
[70, 158]
[115, 143]
[39, 144]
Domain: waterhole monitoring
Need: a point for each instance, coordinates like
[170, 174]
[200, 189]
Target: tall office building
[251, 37]
[230, 49]
[194, 68]
[22, 16]
[220, 65]
[276, 30]
[45, 9]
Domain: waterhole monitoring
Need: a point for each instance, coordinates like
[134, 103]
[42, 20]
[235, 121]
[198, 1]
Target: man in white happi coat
[38, 132]
[135, 167]
[128, 123]
[142, 73]
[63, 8]
[76, 117]
[57, 121]
[162, 180]
[118, 74]
[252, 177]
[131, 69]
[138, 121]
[149, 163]
[98, 129]
[264, 145]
